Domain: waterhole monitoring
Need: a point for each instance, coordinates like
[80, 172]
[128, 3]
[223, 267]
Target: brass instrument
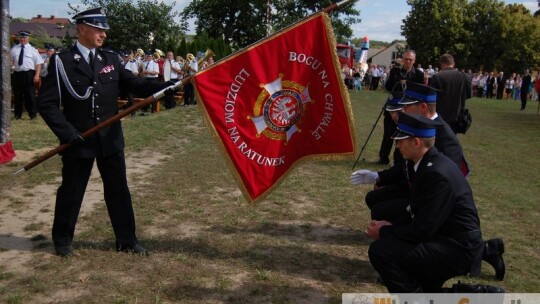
[159, 53]
[190, 57]
[207, 55]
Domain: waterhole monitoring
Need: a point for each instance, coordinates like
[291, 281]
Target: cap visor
[393, 108]
[406, 101]
[400, 135]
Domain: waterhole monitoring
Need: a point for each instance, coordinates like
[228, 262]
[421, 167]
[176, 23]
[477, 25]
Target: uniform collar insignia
[99, 58]
[429, 164]
[77, 58]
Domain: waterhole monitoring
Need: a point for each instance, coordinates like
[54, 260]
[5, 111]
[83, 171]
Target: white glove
[364, 177]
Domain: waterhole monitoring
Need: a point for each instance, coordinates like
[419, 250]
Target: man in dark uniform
[442, 237]
[393, 184]
[391, 195]
[87, 87]
[396, 80]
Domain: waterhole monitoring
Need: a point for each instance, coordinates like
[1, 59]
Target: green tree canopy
[480, 34]
[146, 24]
[434, 27]
[238, 22]
[244, 22]
[484, 19]
[288, 12]
[521, 40]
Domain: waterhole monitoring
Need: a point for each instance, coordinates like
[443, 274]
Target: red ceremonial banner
[277, 102]
[6, 152]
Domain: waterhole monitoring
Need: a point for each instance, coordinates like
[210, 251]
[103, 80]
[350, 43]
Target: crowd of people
[30, 69]
[158, 67]
[492, 84]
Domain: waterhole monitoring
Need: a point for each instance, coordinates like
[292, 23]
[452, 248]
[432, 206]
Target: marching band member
[192, 68]
[172, 72]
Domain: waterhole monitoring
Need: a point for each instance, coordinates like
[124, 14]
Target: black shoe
[135, 249]
[380, 281]
[476, 288]
[64, 251]
[493, 252]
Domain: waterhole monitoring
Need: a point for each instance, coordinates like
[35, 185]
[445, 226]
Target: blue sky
[381, 19]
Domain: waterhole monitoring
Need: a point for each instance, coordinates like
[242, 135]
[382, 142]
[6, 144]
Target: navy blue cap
[93, 17]
[416, 92]
[48, 46]
[392, 103]
[24, 34]
[412, 125]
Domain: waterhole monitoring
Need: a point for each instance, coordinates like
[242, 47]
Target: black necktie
[91, 59]
[21, 56]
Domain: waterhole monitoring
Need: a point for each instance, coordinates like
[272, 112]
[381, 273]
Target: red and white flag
[277, 102]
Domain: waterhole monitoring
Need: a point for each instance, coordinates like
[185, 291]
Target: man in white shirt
[150, 73]
[172, 72]
[26, 62]
[375, 77]
[151, 68]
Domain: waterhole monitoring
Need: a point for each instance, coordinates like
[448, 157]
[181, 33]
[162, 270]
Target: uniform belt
[24, 71]
[467, 235]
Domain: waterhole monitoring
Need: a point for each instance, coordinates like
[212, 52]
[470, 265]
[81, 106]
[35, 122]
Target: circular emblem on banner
[279, 109]
[282, 110]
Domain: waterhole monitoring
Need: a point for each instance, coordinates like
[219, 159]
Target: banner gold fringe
[346, 102]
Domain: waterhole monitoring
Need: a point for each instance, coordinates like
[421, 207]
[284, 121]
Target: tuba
[207, 55]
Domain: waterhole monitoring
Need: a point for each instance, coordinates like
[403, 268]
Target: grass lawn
[305, 243]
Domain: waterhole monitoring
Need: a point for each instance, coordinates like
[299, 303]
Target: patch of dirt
[28, 212]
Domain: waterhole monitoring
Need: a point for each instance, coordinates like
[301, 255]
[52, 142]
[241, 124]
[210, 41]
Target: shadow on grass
[12, 242]
[313, 233]
[252, 292]
[296, 260]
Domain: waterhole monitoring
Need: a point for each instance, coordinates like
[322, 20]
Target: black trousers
[170, 102]
[189, 94]
[500, 90]
[75, 175]
[489, 92]
[374, 83]
[24, 92]
[418, 267]
[154, 104]
[389, 203]
[524, 94]
[387, 142]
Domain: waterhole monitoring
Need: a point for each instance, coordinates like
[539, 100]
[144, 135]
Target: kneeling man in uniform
[441, 238]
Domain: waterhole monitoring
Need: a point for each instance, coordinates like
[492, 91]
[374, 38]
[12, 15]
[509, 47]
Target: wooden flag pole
[106, 123]
[139, 105]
